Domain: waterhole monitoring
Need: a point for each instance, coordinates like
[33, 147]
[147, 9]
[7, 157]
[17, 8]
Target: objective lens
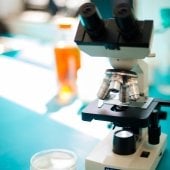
[117, 82]
[125, 19]
[133, 89]
[104, 89]
[91, 21]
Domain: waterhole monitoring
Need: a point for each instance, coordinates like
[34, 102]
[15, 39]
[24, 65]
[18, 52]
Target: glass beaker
[67, 61]
[53, 159]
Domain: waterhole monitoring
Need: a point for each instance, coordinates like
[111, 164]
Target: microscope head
[121, 37]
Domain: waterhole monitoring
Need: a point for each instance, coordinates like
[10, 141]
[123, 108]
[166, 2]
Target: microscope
[136, 141]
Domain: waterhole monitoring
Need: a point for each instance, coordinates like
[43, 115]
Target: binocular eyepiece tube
[95, 26]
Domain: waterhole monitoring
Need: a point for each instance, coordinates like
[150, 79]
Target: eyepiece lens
[122, 11]
[86, 10]
[91, 21]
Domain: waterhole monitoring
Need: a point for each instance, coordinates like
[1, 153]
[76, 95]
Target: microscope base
[102, 157]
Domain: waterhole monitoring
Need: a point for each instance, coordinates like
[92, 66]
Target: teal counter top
[24, 133]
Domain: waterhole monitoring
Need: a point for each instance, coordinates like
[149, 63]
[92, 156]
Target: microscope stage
[146, 156]
[135, 116]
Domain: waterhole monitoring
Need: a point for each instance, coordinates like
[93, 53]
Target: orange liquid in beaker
[67, 61]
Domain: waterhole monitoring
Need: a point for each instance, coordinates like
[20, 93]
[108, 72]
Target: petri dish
[53, 159]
